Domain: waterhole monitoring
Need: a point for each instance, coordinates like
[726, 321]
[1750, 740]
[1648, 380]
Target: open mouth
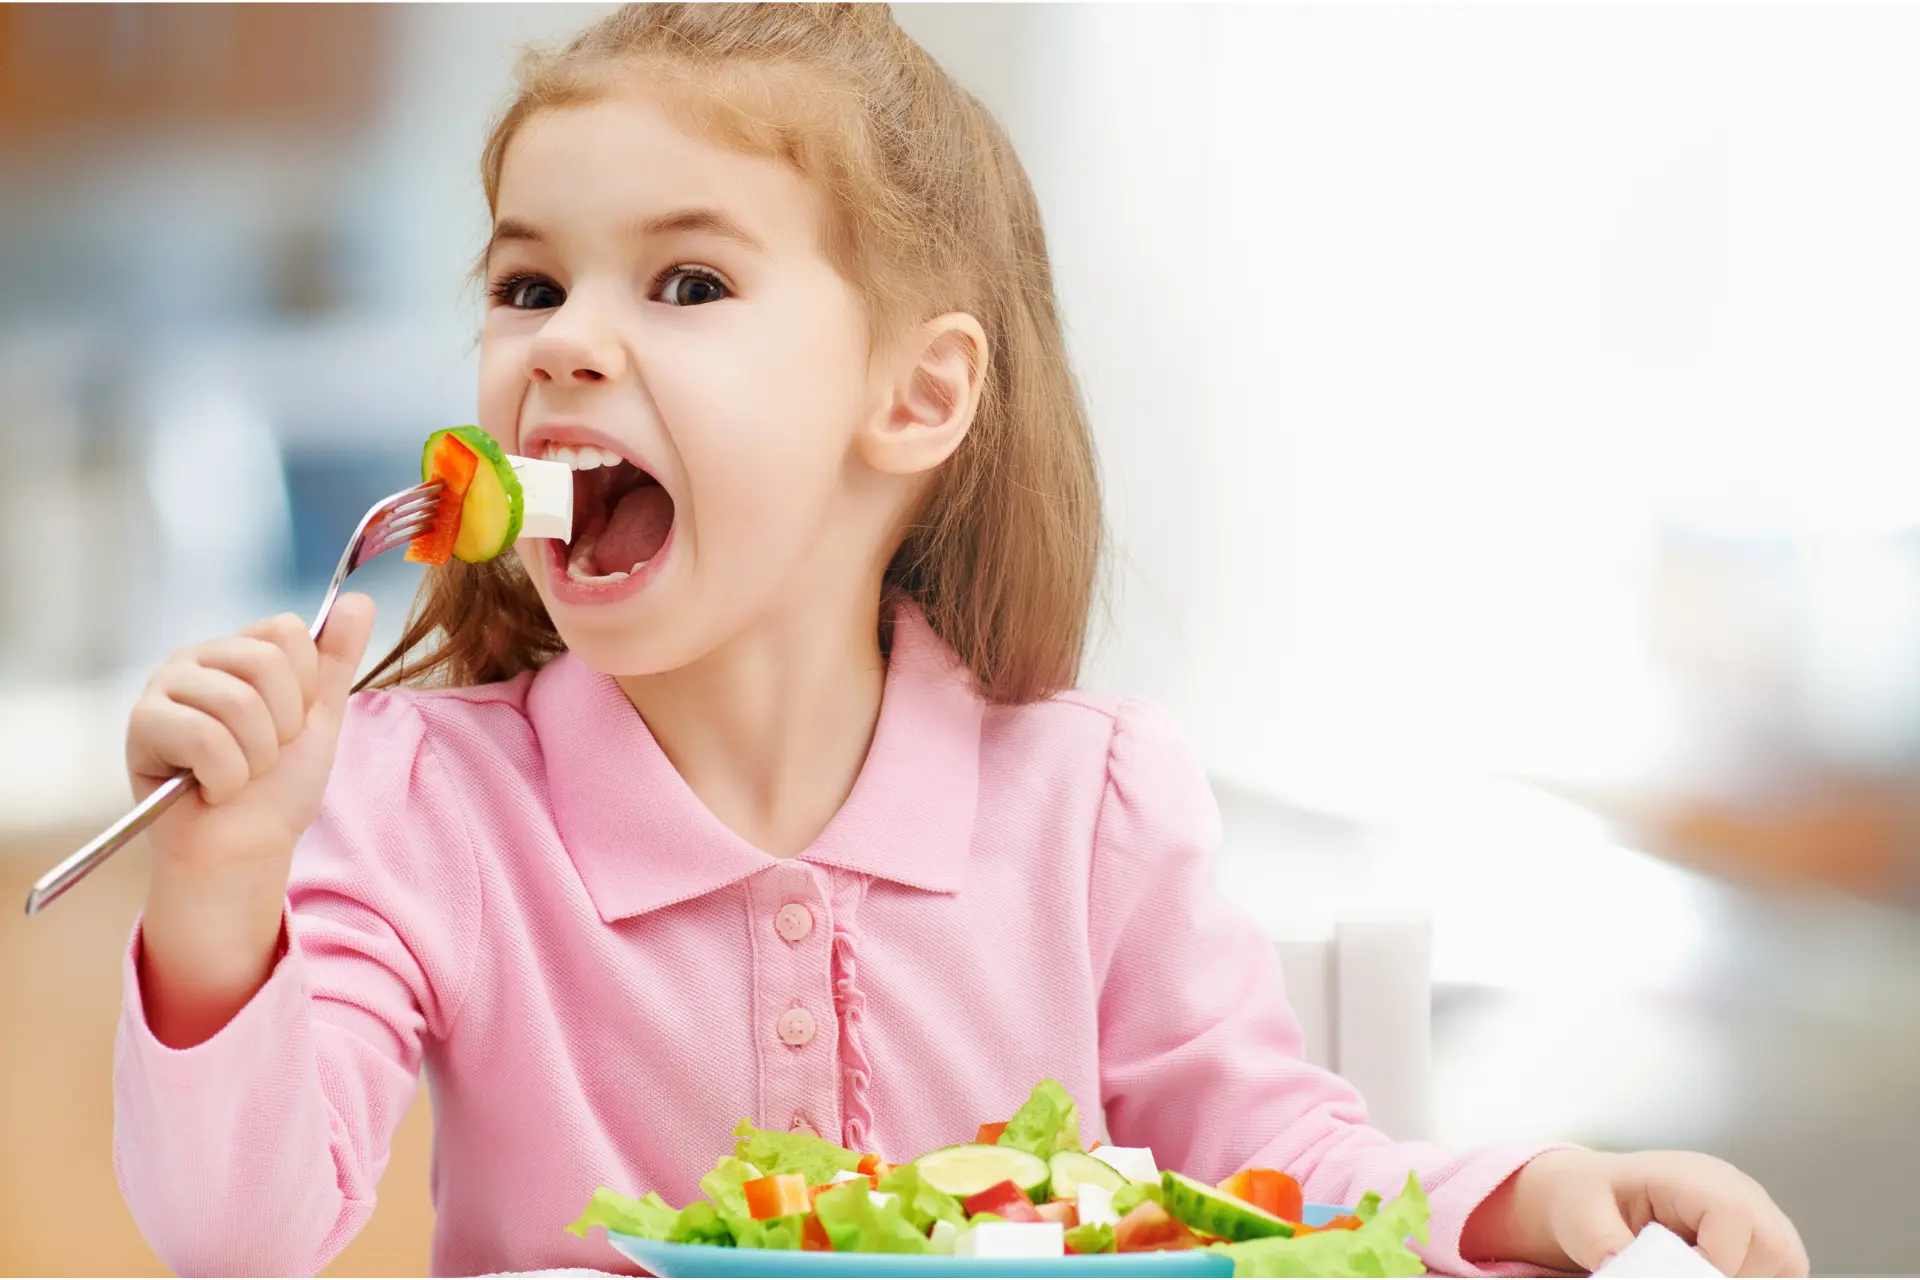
[621, 515]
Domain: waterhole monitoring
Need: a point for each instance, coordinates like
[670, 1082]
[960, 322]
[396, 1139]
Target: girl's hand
[1572, 1210]
[256, 718]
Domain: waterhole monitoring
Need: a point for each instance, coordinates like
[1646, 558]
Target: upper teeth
[581, 457]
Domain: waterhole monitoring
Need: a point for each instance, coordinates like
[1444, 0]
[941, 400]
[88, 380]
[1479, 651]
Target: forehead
[611, 162]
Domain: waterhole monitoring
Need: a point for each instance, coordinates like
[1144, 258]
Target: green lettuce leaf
[773, 1233]
[1048, 1122]
[723, 1186]
[1091, 1237]
[814, 1159]
[923, 1204]
[650, 1218]
[856, 1224]
[1133, 1195]
[700, 1224]
[1376, 1248]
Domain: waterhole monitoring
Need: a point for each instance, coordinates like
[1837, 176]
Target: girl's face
[662, 317]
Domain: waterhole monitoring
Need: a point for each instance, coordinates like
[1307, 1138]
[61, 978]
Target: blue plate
[689, 1260]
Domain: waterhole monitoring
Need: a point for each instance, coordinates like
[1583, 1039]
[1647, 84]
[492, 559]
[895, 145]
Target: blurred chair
[1362, 989]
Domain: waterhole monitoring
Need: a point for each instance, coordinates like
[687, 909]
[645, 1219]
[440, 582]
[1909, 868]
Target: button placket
[793, 983]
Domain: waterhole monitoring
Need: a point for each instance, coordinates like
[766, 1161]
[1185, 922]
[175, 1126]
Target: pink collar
[642, 840]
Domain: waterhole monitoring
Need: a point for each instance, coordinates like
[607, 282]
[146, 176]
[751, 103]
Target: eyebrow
[679, 222]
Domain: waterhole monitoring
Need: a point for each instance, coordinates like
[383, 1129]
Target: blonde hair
[929, 212]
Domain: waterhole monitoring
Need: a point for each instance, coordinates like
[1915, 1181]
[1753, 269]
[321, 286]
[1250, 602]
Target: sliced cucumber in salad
[1213, 1212]
[968, 1170]
[1068, 1169]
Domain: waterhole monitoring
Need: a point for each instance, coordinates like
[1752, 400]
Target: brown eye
[528, 293]
[692, 287]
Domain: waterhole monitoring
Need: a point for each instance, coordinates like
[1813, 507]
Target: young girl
[766, 796]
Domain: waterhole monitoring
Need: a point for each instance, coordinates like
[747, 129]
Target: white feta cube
[944, 1236]
[881, 1199]
[547, 488]
[1013, 1240]
[848, 1175]
[1095, 1205]
[1135, 1164]
[1656, 1251]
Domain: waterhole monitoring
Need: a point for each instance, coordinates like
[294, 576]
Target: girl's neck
[771, 729]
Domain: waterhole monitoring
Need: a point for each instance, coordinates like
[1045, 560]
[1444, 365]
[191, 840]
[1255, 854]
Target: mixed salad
[1022, 1189]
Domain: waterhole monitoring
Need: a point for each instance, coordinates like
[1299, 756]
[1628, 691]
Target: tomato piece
[1150, 1228]
[1005, 1199]
[1241, 1185]
[1064, 1212]
[989, 1134]
[453, 466]
[874, 1167]
[1278, 1194]
[814, 1237]
[1268, 1190]
[778, 1196]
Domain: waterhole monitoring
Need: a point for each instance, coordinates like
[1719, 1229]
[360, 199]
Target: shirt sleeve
[257, 1151]
[1200, 1053]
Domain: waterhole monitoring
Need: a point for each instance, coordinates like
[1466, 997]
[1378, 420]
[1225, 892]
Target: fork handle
[108, 842]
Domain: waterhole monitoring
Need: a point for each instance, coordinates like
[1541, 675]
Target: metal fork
[392, 522]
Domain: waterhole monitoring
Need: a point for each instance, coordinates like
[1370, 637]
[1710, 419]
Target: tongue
[636, 530]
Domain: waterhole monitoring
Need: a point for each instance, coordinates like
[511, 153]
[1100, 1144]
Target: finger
[1593, 1231]
[1725, 1236]
[237, 705]
[263, 665]
[290, 633]
[342, 643]
[166, 737]
[1776, 1249]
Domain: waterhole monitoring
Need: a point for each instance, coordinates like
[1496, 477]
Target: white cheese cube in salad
[1095, 1206]
[546, 488]
[1013, 1240]
[881, 1199]
[1135, 1164]
[945, 1235]
[848, 1175]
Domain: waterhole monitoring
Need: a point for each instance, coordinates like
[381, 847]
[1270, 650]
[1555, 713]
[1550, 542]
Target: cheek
[763, 443]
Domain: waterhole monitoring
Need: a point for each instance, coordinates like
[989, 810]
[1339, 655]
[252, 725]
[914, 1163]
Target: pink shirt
[512, 888]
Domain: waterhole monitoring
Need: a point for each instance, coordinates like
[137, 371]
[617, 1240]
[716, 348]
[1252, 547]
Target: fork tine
[415, 502]
[395, 535]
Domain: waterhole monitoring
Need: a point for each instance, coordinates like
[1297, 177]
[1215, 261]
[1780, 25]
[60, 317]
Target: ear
[933, 389]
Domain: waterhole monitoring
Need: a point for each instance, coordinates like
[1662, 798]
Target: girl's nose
[569, 351]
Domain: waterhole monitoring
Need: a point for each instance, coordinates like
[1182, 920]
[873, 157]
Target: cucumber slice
[1071, 1168]
[490, 517]
[968, 1170]
[1213, 1211]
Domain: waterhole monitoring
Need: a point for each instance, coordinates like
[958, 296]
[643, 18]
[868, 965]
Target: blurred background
[1513, 444]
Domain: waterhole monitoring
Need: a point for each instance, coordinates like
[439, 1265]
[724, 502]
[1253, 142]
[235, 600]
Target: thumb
[342, 643]
[1592, 1231]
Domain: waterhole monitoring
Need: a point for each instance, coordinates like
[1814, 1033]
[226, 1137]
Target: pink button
[796, 1027]
[804, 1129]
[793, 922]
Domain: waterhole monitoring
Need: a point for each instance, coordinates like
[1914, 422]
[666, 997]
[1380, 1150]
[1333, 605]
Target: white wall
[1403, 325]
